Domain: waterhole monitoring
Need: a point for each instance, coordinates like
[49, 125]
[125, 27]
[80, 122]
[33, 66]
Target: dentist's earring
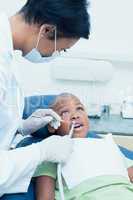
[47, 29]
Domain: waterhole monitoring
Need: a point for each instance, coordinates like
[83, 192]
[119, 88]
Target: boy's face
[71, 110]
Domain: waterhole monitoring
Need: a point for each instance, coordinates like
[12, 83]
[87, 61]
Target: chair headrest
[33, 103]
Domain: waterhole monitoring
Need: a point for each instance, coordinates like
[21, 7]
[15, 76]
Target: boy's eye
[80, 108]
[65, 113]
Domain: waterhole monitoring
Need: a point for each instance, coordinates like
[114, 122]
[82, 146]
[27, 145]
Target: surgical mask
[35, 56]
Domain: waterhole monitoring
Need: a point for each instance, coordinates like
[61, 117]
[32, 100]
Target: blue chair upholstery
[33, 103]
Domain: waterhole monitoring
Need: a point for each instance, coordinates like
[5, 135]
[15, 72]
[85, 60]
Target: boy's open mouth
[78, 126]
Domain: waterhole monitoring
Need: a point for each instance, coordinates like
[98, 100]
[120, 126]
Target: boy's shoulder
[92, 134]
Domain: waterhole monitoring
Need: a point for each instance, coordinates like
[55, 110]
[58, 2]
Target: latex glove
[56, 149]
[55, 123]
[39, 119]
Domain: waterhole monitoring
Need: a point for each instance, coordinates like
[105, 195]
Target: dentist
[39, 30]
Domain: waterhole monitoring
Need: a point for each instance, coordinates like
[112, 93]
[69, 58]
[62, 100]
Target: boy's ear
[51, 129]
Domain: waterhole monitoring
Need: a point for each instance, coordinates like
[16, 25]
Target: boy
[71, 110]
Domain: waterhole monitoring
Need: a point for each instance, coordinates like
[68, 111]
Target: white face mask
[35, 56]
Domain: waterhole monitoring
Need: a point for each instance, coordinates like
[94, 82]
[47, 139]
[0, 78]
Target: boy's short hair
[69, 16]
[53, 103]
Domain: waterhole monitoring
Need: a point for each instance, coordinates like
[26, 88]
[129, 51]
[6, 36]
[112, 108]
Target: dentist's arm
[17, 166]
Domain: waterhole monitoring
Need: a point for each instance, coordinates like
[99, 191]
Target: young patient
[71, 109]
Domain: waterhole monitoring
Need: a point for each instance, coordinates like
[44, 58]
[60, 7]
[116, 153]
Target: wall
[11, 6]
[39, 80]
[111, 27]
[113, 39]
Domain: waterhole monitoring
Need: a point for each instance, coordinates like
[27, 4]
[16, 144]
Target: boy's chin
[81, 131]
[80, 134]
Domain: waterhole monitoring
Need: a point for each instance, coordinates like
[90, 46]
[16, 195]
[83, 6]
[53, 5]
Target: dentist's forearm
[17, 168]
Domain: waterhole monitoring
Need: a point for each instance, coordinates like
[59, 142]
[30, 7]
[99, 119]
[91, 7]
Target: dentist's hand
[39, 119]
[55, 149]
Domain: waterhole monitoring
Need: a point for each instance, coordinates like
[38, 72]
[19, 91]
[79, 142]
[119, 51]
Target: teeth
[77, 125]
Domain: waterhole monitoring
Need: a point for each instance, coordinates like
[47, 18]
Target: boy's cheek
[64, 128]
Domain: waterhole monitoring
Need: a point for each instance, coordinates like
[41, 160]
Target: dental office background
[99, 71]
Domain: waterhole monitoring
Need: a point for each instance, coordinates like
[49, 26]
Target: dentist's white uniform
[15, 173]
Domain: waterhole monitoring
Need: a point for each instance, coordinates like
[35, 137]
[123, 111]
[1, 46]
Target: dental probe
[71, 130]
[59, 169]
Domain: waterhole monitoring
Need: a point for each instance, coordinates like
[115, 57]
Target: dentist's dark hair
[70, 17]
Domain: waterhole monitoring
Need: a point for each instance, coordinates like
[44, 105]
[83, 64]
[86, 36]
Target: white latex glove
[39, 119]
[55, 123]
[56, 149]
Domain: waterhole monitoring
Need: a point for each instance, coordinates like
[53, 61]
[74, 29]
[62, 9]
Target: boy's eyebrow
[60, 107]
[79, 104]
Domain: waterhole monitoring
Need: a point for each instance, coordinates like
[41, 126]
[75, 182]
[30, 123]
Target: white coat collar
[6, 46]
[6, 42]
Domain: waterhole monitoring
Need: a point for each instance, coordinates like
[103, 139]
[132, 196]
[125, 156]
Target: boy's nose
[75, 115]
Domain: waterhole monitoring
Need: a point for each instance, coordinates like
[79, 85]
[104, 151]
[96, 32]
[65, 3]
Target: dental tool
[60, 182]
[71, 130]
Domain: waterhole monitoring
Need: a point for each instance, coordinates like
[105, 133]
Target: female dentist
[39, 29]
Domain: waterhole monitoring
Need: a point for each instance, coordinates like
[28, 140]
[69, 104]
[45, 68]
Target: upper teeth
[77, 125]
